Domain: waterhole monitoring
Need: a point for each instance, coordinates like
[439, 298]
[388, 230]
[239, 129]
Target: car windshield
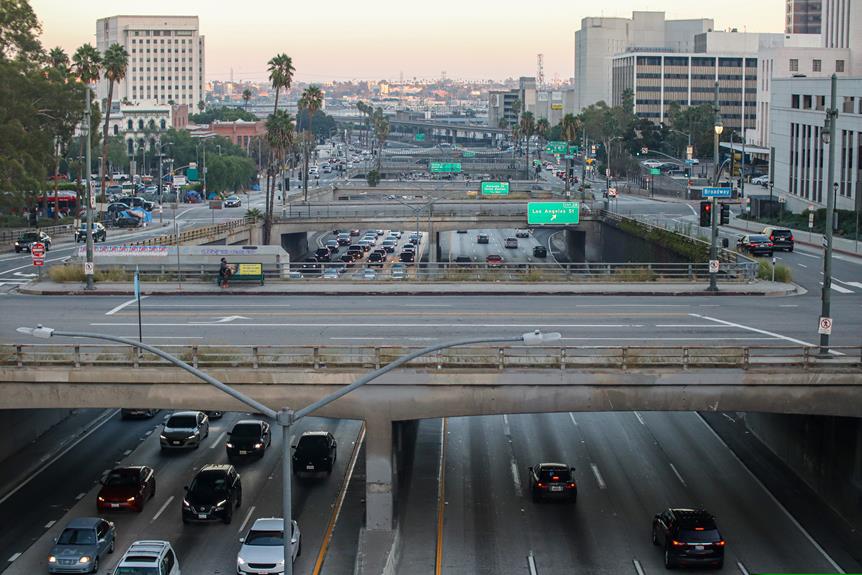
[77, 537]
[781, 233]
[207, 484]
[122, 478]
[182, 422]
[554, 474]
[312, 445]
[29, 237]
[137, 571]
[246, 430]
[758, 239]
[695, 536]
[265, 538]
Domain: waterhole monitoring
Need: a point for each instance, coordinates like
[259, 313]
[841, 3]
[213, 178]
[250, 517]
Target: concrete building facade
[600, 39]
[140, 125]
[842, 28]
[166, 58]
[551, 104]
[803, 16]
[798, 109]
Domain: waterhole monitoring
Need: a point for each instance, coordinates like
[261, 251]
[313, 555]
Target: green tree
[280, 135]
[246, 96]
[281, 72]
[528, 129]
[543, 128]
[229, 173]
[381, 132]
[222, 115]
[115, 63]
[58, 61]
[311, 101]
[19, 32]
[570, 126]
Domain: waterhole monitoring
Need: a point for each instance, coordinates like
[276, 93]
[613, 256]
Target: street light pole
[85, 132]
[828, 137]
[713, 236]
[286, 417]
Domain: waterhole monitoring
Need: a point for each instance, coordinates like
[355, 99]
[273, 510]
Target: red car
[126, 488]
[494, 261]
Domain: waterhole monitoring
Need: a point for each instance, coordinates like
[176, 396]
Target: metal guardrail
[13, 234]
[463, 358]
[203, 232]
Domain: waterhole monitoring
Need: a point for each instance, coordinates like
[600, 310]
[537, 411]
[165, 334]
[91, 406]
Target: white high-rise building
[166, 58]
[841, 20]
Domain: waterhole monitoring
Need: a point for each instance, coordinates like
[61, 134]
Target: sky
[385, 39]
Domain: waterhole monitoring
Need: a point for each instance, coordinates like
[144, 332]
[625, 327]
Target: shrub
[373, 178]
[75, 273]
[782, 272]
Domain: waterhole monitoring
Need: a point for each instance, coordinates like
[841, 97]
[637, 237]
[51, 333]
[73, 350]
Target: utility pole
[85, 131]
[713, 236]
[828, 137]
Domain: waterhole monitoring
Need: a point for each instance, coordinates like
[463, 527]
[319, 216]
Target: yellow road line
[339, 502]
[441, 496]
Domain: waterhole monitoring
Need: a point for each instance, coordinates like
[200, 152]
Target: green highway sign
[445, 168]
[556, 148]
[655, 171]
[574, 149]
[553, 213]
[495, 188]
[569, 157]
[469, 154]
[420, 137]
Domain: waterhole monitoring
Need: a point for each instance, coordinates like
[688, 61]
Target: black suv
[24, 240]
[552, 481]
[213, 494]
[781, 238]
[315, 452]
[540, 252]
[248, 438]
[689, 537]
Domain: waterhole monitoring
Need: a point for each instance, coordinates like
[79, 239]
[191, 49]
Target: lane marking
[218, 440]
[441, 495]
[638, 567]
[641, 419]
[667, 339]
[855, 284]
[162, 509]
[68, 448]
[531, 564]
[807, 255]
[245, 521]
[358, 338]
[837, 288]
[14, 557]
[742, 568]
[599, 479]
[339, 501]
[678, 476]
[124, 305]
[762, 331]
[50, 524]
[127, 452]
[788, 305]
[802, 265]
[516, 478]
[572, 417]
[771, 496]
[507, 431]
[80, 496]
[427, 305]
[381, 325]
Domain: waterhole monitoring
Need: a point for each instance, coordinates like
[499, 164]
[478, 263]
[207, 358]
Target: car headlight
[229, 445]
[52, 559]
[220, 504]
[240, 561]
[162, 436]
[101, 498]
[84, 559]
[130, 499]
[193, 435]
[186, 504]
[258, 445]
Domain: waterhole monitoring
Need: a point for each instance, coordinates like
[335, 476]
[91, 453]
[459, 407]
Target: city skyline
[472, 42]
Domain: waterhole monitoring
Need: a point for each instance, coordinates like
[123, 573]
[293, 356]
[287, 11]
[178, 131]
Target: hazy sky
[377, 39]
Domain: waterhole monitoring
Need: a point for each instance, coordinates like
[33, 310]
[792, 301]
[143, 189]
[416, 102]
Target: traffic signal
[705, 214]
[725, 214]
[735, 164]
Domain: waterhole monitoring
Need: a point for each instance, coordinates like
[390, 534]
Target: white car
[369, 274]
[262, 551]
[652, 164]
[761, 181]
[330, 274]
[149, 557]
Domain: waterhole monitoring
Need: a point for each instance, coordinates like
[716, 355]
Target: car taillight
[771, 238]
[555, 478]
[770, 244]
[571, 485]
[791, 238]
[719, 543]
[540, 485]
[676, 543]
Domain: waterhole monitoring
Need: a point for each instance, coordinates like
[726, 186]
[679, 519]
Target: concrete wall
[295, 244]
[595, 241]
[825, 452]
[18, 427]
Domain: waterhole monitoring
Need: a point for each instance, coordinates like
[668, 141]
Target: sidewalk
[370, 288]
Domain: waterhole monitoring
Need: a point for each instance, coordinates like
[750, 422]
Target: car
[127, 221]
[378, 255]
[294, 275]
[755, 244]
[781, 238]
[347, 259]
[415, 238]
[149, 557]
[133, 412]
[652, 164]
[99, 233]
[326, 168]
[396, 234]
[381, 232]
[81, 545]
[552, 481]
[343, 239]
[330, 274]
[688, 537]
[366, 244]
[407, 257]
[248, 438]
[315, 452]
[355, 250]
[322, 254]
[354, 232]
[482, 239]
[310, 266]
[389, 246]
[540, 252]
[761, 181]
[522, 233]
[409, 248]
[262, 551]
[397, 273]
[494, 260]
[333, 245]
[511, 243]
[369, 274]
[27, 238]
[463, 260]
[213, 494]
[232, 202]
[184, 429]
[126, 488]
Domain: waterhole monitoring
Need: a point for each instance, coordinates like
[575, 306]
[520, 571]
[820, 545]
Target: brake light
[770, 244]
[698, 528]
[571, 485]
[771, 238]
[540, 485]
[555, 478]
[719, 543]
[676, 543]
[791, 238]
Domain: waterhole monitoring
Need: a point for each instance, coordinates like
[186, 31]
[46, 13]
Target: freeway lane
[348, 320]
[205, 548]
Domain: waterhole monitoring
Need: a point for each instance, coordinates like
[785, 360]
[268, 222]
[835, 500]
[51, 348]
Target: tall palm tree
[87, 66]
[569, 126]
[246, 96]
[280, 136]
[280, 74]
[58, 60]
[528, 128]
[311, 101]
[543, 128]
[381, 131]
[115, 63]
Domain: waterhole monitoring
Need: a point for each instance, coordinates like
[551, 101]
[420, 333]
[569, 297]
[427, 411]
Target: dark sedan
[248, 438]
[553, 481]
[126, 488]
[315, 453]
[27, 238]
[756, 245]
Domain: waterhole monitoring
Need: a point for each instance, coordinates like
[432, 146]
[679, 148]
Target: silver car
[81, 545]
[185, 429]
[262, 551]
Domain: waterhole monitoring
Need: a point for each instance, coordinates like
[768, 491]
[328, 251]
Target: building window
[141, 125]
[129, 125]
[806, 102]
[817, 66]
[839, 65]
[794, 65]
[116, 129]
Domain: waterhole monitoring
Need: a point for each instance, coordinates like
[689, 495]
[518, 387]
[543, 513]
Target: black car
[213, 494]
[24, 240]
[116, 208]
[482, 239]
[248, 438]
[407, 257]
[100, 234]
[129, 413]
[127, 222]
[689, 537]
[540, 252]
[376, 256]
[756, 245]
[315, 453]
[322, 254]
[781, 238]
[552, 481]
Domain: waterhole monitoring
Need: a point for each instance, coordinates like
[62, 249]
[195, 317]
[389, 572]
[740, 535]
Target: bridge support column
[379, 475]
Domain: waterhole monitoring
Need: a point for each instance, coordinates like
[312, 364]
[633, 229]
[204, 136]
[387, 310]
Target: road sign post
[713, 266]
[825, 326]
[553, 213]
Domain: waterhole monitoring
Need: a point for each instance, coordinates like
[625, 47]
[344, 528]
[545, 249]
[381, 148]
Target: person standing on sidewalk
[224, 273]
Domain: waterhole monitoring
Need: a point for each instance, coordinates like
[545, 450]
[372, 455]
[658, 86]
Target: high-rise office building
[803, 16]
[166, 58]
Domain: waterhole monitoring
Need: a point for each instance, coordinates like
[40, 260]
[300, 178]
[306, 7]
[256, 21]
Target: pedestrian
[224, 273]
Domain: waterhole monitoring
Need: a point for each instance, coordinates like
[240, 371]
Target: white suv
[262, 551]
[149, 558]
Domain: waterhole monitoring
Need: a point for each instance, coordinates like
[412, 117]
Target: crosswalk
[844, 287]
[10, 283]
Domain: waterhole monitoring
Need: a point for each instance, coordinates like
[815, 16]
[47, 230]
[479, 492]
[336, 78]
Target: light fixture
[719, 128]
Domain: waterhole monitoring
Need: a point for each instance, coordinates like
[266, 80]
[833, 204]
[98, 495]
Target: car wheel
[720, 564]
[654, 536]
[113, 544]
[790, 250]
[299, 548]
[668, 560]
[95, 565]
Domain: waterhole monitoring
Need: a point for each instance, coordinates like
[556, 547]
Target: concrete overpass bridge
[457, 382]
[435, 130]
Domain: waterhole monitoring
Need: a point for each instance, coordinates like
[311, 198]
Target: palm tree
[528, 128]
[381, 131]
[569, 126]
[58, 60]
[246, 96]
[280, 74]
[86, 64]
[543, 128]
[311, 101]
[279, 135]
[115, 62]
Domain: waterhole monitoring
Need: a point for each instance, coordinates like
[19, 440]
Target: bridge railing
[486, 358]
[10, 235]
[203, 232]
